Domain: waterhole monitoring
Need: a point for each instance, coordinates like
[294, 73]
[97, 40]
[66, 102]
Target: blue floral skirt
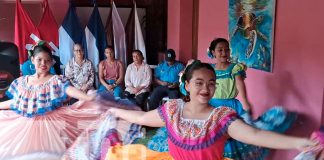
[275, 119]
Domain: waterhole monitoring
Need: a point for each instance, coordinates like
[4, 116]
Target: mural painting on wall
[251, 28]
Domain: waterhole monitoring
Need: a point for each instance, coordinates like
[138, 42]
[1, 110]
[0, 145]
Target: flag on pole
[109, 30]
[48, 27]
[96, 41]
[139, 40]
[70, 32]
[119, 36]
[134, 36]
[25, 30]
[48, 30]
[130, 35]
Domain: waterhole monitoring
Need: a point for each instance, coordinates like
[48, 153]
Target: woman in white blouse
[138, 79]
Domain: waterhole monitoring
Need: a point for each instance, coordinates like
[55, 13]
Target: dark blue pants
[138, 99]
[162, 91]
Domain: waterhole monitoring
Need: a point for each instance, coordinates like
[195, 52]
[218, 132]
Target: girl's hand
[137, 89]
[110, 87]
[303, 144]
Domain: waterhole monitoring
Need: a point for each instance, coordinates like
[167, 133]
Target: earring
[187, 97]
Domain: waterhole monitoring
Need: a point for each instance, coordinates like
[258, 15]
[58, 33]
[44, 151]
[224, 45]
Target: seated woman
[111, 73]
[80, 70]
[138, 79]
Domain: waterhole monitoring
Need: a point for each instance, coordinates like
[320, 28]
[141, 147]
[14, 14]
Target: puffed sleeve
[62, 83]
[225, 116]
[12, 91]
[168, 109]
[239, 70]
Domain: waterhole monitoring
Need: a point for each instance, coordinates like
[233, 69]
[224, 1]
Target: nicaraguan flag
[95, 38]
[70, 32]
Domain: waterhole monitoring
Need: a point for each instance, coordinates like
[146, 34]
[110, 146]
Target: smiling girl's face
[202, 85]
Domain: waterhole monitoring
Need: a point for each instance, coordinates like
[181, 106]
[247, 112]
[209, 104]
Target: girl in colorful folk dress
[35, 120]
[197, 130]
[230, 83]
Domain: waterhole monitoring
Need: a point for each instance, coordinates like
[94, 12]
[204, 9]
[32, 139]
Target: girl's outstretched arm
[75, 93]
[240, 84]
[150, 118]
[247, 134]
[6, 104]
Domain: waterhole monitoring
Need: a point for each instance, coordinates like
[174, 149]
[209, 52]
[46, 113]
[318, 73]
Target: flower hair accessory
[38, 43]
[183, 75]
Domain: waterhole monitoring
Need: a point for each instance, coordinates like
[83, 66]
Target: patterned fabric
[192, 138]
[225, 86]
[80, 75]
[84, 125]
[100, 136]
[136, 77]
[159, 141]
[38, 99]
[167, 73]
[105, 132]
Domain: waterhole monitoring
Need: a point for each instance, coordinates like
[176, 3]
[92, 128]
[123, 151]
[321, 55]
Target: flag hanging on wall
[96, 40]
[139, 43]
[109, 30]
[48, 30]
[119, 36]
[48, 27]
[134, 36]
[70, 32]
[25, 32]
[130, 35]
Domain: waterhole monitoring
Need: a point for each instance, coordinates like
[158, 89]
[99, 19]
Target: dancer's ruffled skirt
[56, 131]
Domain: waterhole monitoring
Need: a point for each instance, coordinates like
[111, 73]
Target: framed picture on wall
[251, 32]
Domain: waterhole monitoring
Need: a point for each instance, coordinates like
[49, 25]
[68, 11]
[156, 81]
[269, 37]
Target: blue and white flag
[95, 37]
[119, 36]
[70, 32]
